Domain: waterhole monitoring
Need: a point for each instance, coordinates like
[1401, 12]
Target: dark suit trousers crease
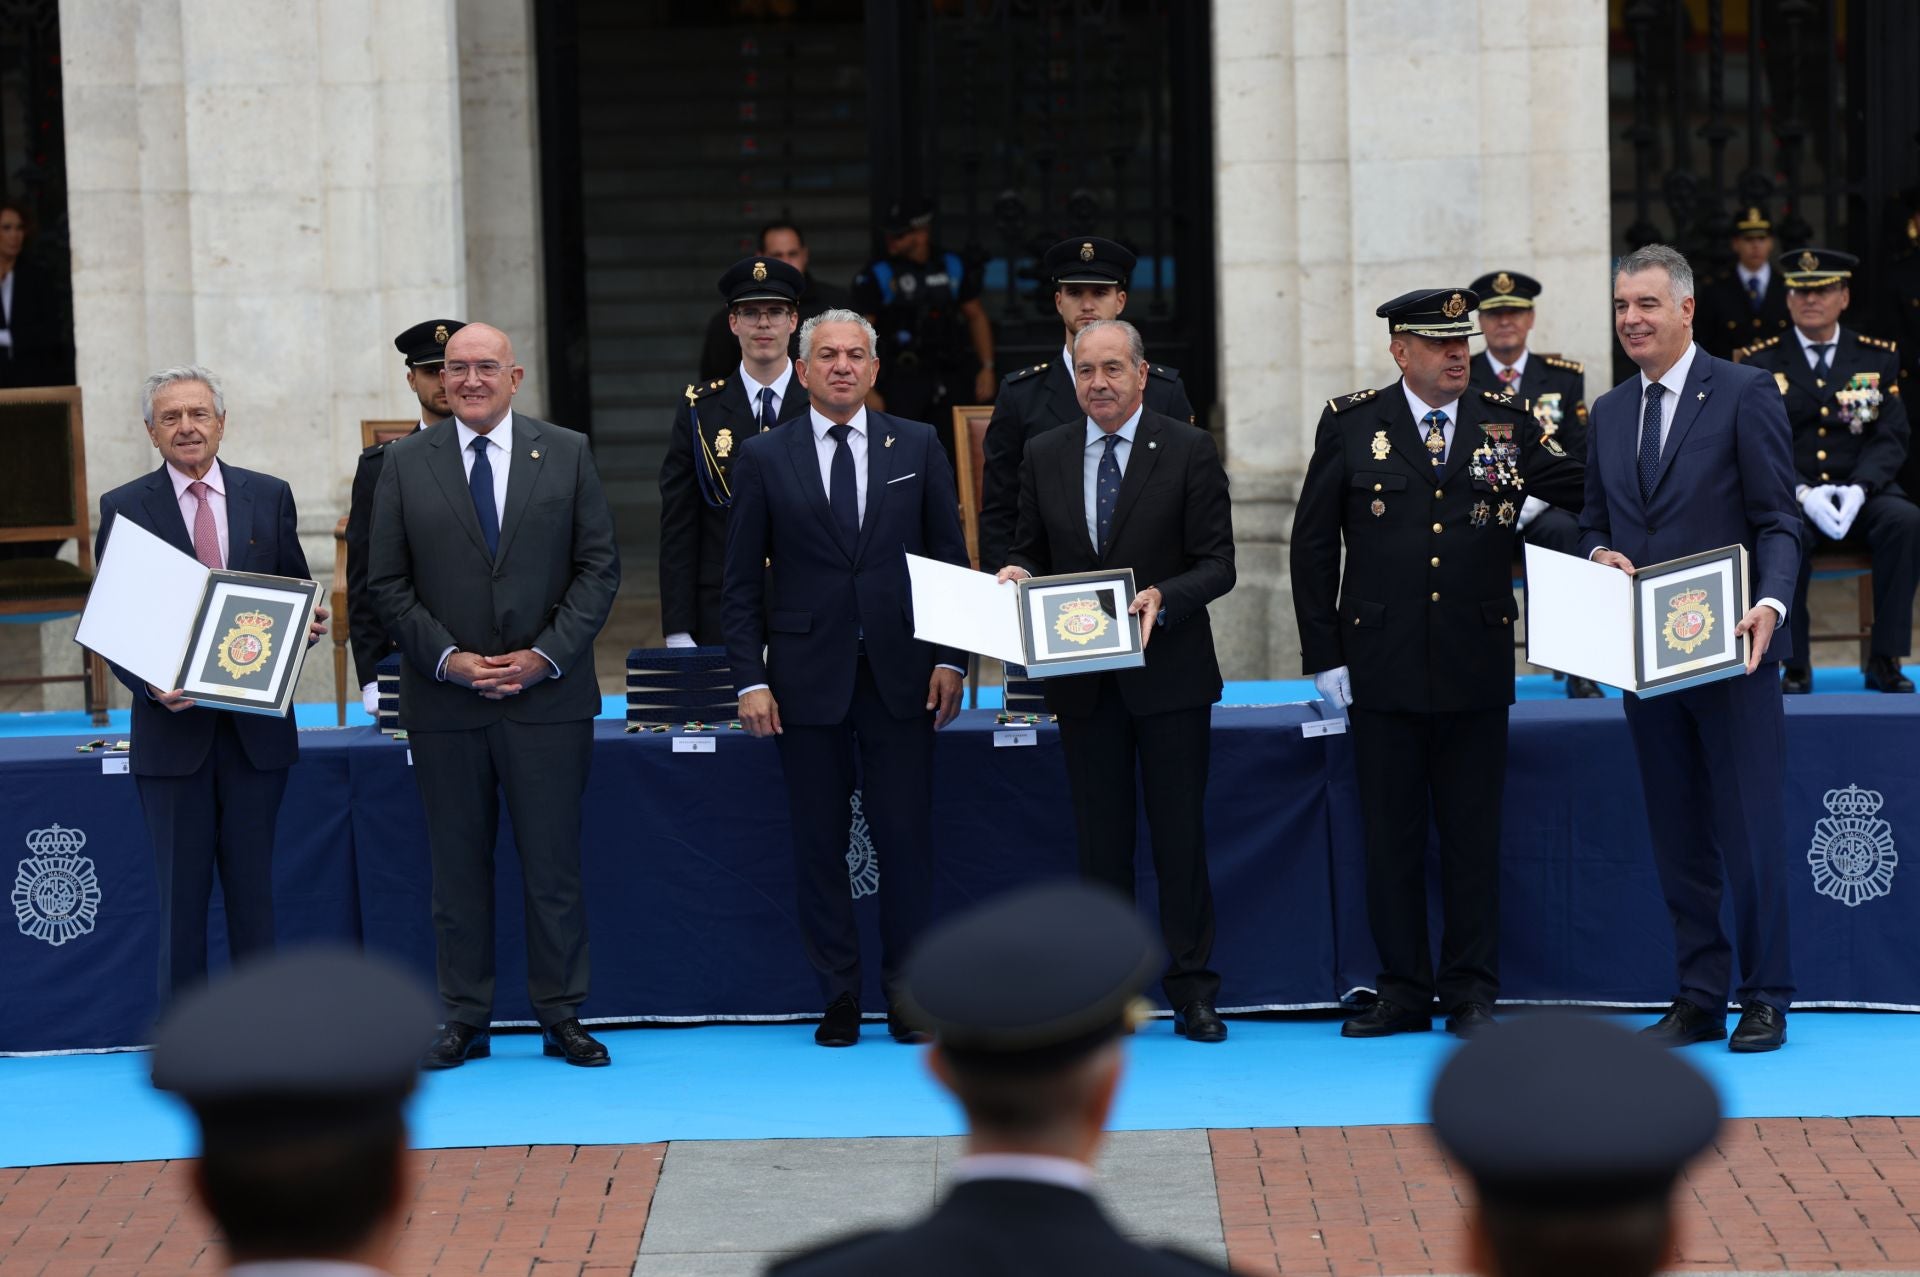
[541, 768]
[222, 815]
[1713, 765]
[890, 760]
[1170, 750]
[1450, 767]
[1889, 526]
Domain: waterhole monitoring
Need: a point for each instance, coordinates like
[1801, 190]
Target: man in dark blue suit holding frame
[1693, 454]
[818, 615]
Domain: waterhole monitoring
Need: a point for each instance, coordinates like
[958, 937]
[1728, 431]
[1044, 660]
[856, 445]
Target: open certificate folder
[229, 640]
[1076, 623]
[1668, 626]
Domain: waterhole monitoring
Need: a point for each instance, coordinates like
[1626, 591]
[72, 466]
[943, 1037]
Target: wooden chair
[372, 431]
[43, 497]
[970, 446]
[1836, 565]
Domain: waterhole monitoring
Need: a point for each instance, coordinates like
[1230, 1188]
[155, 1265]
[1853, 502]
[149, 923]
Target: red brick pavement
[1802, 1195]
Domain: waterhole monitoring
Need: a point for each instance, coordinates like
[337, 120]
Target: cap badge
[759, 272]
[440, 333]
[1455, 307]
[1809, 261]
[1753, 214]
[1503, 283]
[1086, 251]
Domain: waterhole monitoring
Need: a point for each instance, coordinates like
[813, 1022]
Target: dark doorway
[33, 177]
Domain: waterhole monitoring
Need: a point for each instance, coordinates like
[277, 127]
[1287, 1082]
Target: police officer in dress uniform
[303, 1145]
[1850, 438]
[424, 347]
[1749, 302]
[1423, 480]
[1090, 277]
[781, 241]
[1028, 998]
[1552, 388]
[717, 416]
[1574, 1132]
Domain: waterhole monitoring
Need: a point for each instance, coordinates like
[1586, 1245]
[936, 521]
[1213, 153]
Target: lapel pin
[1152, 444]
[535, 454]
[1701, 395]
[888, 442]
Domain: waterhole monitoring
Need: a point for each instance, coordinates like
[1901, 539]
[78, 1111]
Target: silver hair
[1667, 259]
[186, 372]
[837, 316]
[1136, 346]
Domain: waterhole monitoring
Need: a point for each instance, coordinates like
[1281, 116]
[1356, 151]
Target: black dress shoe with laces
[1883, 675]
[1583, 689]
[1684, 1024]
[457, 1044]
[572, 1043]
[1796, 680]
[1761, 1028]
[904, 1030]
[1383, 1019]
[841, 1024]
[1470, 1020]
[1200, 1022]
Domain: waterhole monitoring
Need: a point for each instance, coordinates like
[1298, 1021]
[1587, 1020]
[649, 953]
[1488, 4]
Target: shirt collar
[822, 424]
[1421, 407]
[1127, 430]
[1807, 343]
[1036, 1168]
[1747, 276]
[213, 479]
[778, 385]
[501, 434]
[1066, 361]
[1675, 379]
[1519, 365]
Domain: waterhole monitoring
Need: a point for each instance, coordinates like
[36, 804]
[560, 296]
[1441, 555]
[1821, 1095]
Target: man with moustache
[1423, 481]
[1693, 454]
[780, 242]
[820, 640]
[1090, 278]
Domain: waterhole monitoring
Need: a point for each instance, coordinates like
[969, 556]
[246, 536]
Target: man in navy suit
[818, 615]
[210, 781]
[1693, 454]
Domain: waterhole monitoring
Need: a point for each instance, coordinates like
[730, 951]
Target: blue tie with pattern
[480, 483]
[1650, 441]
[766, 408]
[843, 495]
[1436, 424]
[1106, 490]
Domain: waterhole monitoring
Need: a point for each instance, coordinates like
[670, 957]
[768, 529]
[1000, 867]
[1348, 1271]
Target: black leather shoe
[1883, 675]
[1797, 680]
[574, 1044]
[1470, 1020]
[841, 1024]
[1583, 689]
[904, 1030]
[1383, 1019]
[457, 1044]
[1761, 1028]
[1685, 1024]
[1200, 1022]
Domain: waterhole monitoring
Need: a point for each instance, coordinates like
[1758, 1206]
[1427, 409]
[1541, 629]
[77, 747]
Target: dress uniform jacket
[369, 638]
[1552, 388]
[1831, 441]
[1729, 320]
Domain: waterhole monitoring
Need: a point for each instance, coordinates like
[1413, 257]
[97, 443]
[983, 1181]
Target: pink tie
[206, 537]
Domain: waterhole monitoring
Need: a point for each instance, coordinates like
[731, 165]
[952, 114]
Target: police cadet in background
[1090, 277]
[424, 347]
[1554, 389]
[782, 242]
[1748, 302]
[717, 416]
[1850, 438]
[1423, 480]
[303, 1144]
[936, 344]
[1574, 1132]
[1029, 997]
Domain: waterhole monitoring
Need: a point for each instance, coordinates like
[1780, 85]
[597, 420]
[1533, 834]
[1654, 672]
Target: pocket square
[903, 478]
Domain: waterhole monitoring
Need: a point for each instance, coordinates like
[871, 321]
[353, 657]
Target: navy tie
[1106, 492]
[1650, 441]
[842, 494]
[480, 483]
[766, 408]
[1825, 351]
[1753, 292]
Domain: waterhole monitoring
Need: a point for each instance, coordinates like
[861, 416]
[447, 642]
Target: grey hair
[1136, 346]
[186, 372]
[1667, 259]
[839, 315]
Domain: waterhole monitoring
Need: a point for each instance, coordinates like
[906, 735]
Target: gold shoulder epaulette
[1345, 402]
[1023, 373]
[1892, 347]
[1161, 370]
[1505, 399]
[1765, 343]
[702, 391]
[1571, 365]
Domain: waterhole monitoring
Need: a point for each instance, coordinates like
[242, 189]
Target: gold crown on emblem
[440, 333]
[1809, 261]
[1688, 598]
[1080, 605]
[759, 272]
[1455, 307]
[253, 621]
[1086, 252]
[1503, 283]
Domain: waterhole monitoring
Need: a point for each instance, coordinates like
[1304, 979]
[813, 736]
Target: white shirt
[1675, 380]
[1090, 465]
[1034, 1168]
[1519, 367]
[1421, 408]
[190, 505]
[1807, 345]
[778, 385]
[499, 458]
[1066, 358]
[1757, 278]
[824, 447]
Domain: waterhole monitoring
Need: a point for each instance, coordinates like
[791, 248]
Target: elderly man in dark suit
[1132, 488]
[494, 567]
[210, 781]
[822, 648]
[1693, 454]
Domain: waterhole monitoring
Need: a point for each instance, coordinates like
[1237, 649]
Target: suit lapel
[451, 475]
[1693, 397]
[523, 475]
[239, 519]
[880, 441]
[1141, 455]
[163, 512]
[801, 454]
[795, 403]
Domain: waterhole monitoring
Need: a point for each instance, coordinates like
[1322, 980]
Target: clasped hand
[1833, 507]
[498, 677]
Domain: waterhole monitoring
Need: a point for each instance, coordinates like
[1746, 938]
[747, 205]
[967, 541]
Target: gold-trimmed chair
[970, 476]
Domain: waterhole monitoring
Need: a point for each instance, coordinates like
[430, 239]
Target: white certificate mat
[143, 603]
[1580, 617]
[958, 607]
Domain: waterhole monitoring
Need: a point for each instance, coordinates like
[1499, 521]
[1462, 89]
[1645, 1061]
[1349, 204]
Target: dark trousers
[1888, 526]
[1451, 767]
[542, 770]
[1713, 763]
[1108, 752]
[221, 815]
[890, 760]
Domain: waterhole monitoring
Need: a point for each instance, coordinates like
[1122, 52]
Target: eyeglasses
[756, 315]
[485, 370]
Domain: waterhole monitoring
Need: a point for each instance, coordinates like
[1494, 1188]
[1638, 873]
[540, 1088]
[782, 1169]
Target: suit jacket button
[1651, 529]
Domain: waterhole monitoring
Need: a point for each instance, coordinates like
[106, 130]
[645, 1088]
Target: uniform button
[1436, 596]
[1436, 527]
[1824, 476]
[1433, 562]
[1823, 412]
[1823, 432]
[1506, 620]
[1376, 487]
[1437, 494]
[1820, 455]
[769, 562]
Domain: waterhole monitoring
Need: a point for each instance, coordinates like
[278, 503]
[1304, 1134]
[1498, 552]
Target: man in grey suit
[493, 567]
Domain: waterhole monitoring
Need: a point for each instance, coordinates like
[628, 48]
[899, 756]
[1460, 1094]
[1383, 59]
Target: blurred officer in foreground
[1574, 1132]
[302, 1141]
[1027, 997]
[936, 343]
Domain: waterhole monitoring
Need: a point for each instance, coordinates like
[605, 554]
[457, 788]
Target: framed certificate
[1078, 623]
[1684, 614]
[248, 642]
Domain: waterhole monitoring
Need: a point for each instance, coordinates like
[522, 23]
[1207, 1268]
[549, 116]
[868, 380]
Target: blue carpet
[770, 1081]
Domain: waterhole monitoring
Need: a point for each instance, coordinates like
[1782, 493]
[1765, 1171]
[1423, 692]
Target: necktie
[1106, 491]
[1753, 292]
[1825, 350]
[1650, 441]
[1508, 376]
[842, 495]
[1436, 424]
[480, 483]
[766, 408]
[206, 536]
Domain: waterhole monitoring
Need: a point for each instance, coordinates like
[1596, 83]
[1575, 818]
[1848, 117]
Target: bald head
[480, 376]
[480, 341]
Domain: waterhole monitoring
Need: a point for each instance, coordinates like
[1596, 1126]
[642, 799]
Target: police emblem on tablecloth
[863, 867]
[1852, 853]
[56, 894]
[1080, 621]
[1689, 620]
[1859, 400]
[245, 648]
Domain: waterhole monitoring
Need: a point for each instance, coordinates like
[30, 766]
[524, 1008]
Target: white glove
[1818, 503]
[1851, 498]
[370, 698]
[1334, 686]
[1529, 509]
[682, 639]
